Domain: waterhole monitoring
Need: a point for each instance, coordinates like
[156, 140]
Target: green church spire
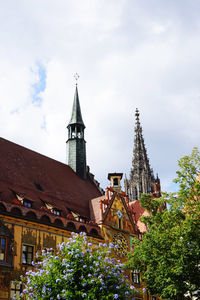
[76, 144]
[76, 117]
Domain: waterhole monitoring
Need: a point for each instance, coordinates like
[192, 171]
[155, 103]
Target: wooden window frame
[15, 289]
[6, 248]
[27, 203]
[56, 212]
[26, 254]
[135, 276]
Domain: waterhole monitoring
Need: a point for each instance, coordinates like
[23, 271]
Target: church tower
[142, 179]
[76, 144]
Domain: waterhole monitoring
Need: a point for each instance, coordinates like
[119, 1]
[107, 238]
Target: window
[153, 298]
[56, 212]
[27, 203]
[135, 276]
[27, 255]
[136, 194]
[115, 181]
[16, 289]
[120, 223]
[81, 220]
[3, 248]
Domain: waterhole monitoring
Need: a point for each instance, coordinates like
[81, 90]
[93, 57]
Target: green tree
[79, 270]
[168, 256]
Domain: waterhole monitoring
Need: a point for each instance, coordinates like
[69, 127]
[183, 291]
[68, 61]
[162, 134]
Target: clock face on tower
[120, 243]
[119, 214]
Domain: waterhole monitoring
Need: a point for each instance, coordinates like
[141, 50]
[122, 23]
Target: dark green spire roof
[76, 117]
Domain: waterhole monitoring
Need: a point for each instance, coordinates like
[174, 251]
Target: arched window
[45, 219]
[31, 215]
[58, 222]
[82, 228]
[136, 194]
[16, 211]
[2, 207]
[71, 226]
[94, 232]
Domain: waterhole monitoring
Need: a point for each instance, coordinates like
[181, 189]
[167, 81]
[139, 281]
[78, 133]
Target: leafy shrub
[79, 270]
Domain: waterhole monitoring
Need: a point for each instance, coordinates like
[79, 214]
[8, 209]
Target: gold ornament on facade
[120, 244]
[28, 237]
[49, 241]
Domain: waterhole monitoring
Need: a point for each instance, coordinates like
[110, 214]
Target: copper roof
[43, 180]
[76, 117]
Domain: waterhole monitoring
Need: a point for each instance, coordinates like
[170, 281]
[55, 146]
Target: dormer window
[81, 220]
[27, 203]
[56, 212]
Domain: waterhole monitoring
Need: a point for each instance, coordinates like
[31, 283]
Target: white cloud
[128, 53]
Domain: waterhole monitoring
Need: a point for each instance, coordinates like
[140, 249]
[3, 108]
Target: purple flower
[132, 287]
[116, 296]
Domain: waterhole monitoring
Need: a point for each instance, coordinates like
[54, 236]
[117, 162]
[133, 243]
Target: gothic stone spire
[141, 176]
[76, 144]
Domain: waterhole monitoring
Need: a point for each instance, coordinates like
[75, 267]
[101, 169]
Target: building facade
[42, 201]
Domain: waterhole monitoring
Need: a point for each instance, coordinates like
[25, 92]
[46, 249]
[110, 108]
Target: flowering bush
[79, 270]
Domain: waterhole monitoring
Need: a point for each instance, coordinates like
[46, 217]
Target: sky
[129, 54]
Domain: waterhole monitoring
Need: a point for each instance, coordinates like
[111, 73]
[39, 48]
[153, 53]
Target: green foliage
[80, 270]
[168, 257]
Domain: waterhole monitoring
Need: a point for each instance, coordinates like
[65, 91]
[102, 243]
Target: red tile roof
[137, 212]
[42, 179]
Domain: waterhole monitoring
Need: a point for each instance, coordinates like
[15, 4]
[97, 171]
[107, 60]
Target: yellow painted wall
[39, 236]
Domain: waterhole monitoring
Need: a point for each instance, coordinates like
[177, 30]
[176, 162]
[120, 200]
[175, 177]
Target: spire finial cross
[76, 76]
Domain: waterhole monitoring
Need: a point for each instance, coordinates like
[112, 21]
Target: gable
[117, 214]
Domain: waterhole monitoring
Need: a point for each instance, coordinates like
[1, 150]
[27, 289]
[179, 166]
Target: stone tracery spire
[141, 176]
